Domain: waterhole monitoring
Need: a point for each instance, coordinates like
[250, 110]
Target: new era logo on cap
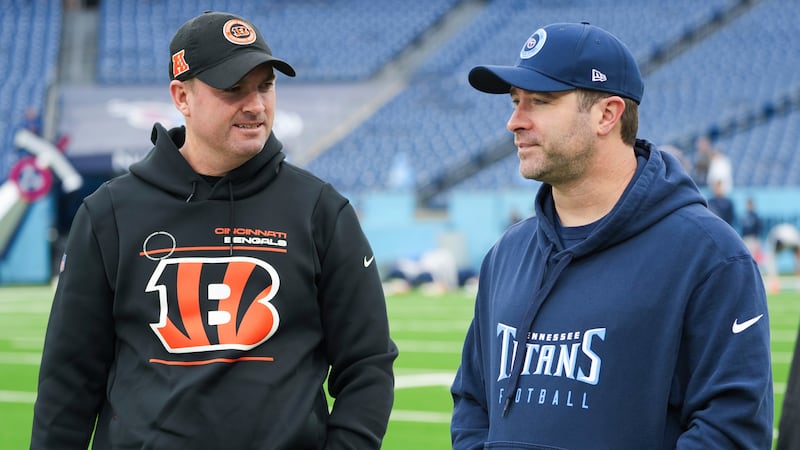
[598, 76]
[566, 56]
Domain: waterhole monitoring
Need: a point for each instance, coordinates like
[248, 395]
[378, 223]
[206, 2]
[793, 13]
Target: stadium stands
[341, 40]
[446, 125]
[729, 82]
[739, 76]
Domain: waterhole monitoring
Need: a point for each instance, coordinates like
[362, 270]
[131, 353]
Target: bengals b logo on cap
[238, 32]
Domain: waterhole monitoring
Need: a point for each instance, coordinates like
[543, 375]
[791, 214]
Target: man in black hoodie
[206, 296]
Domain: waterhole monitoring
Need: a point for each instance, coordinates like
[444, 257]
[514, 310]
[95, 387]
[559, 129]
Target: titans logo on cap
[534, 44]
[238, 32]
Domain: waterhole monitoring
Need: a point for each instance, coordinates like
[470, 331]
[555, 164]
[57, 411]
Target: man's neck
[595, 195]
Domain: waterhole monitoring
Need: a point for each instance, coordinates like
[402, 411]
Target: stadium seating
[729, 83]
[738, 68]
[445, 124]
[341, 40]
[741, 78]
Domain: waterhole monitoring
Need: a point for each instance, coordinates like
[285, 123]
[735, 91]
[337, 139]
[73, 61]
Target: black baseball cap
[220, 49]
[566, 56]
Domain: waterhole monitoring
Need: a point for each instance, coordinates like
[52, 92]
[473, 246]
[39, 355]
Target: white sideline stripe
[424, 380]
[17, 397]
[420, 416]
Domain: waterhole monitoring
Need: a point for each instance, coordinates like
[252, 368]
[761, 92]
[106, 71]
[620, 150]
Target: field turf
[428, 330]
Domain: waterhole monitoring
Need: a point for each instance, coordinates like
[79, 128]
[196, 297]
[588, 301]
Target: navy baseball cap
[219, 49]
[566, 56]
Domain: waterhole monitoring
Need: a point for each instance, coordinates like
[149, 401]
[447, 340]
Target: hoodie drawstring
[231, 217]
[527, 323]
[191, 194]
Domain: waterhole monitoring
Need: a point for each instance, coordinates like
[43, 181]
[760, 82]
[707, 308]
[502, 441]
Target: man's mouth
[248, 126]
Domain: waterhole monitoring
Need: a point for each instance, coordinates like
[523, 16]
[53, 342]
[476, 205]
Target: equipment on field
[30, 179]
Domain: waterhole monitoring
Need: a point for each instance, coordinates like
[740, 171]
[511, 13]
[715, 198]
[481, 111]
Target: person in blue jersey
[624, 314]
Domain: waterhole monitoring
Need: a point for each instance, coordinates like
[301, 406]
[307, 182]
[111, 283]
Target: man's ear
[611, 113]
[179, 91]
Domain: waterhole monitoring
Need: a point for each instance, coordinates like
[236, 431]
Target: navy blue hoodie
[652, 333]
[207, 315]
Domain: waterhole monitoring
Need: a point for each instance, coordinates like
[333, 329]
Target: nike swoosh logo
[368, 262]
[739, 327]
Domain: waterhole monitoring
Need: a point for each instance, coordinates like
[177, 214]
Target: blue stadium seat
[339, 40]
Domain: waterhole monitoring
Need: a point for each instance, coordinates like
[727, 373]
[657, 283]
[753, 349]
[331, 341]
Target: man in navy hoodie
[624, 314]
[206, 296]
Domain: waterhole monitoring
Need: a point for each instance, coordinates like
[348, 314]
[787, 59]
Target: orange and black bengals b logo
[238, 32]
[214, 303]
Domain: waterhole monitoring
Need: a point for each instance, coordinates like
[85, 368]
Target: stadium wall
[27, 259]
[474, 220]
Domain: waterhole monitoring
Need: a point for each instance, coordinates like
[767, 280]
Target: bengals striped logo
[239, 32]
[214, 303]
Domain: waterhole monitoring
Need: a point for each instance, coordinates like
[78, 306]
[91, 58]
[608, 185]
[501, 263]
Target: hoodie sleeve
[356, 328]
[469, 427]
[78, 348]
[724, 383]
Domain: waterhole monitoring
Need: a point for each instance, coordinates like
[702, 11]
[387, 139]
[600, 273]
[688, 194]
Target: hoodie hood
[165, 168]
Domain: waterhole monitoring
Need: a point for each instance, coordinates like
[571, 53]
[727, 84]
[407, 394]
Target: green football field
[428, 330]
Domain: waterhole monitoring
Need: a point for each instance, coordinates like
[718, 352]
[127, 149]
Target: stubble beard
[561, 161]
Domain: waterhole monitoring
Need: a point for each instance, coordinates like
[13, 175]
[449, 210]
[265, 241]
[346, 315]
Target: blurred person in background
[702, 159]
[752, 229]
[624, 314]
[720, 204]
[720, 170]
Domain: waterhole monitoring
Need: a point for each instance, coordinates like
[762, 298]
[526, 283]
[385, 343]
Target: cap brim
[499, 79]
[229, 72]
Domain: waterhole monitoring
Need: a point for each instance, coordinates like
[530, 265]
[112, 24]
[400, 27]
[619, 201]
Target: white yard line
[424, 380]
[28, 359]
[419, 416]
[17, 397]
[430, 346]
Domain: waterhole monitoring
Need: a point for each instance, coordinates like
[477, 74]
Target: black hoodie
[197, 314]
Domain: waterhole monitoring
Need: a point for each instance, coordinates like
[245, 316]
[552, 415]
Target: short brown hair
[630, 117]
